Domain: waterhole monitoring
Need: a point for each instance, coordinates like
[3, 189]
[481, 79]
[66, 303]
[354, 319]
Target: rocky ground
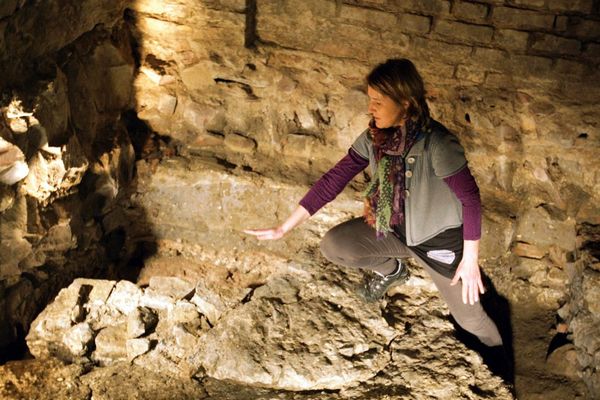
[217, 315]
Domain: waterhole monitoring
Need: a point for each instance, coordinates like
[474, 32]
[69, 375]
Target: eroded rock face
[305, 329]
[232, 83]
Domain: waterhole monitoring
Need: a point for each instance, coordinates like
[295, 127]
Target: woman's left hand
[472, 285]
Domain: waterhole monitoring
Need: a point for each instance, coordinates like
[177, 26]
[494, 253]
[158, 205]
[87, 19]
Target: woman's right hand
[266, 234]
[297, 217]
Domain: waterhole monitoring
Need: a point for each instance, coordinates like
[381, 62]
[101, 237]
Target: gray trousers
[353, 244]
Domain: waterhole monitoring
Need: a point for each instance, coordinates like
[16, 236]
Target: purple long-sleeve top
[332, 183]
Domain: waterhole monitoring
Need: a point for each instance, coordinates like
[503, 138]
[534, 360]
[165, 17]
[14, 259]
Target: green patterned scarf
[384, 197]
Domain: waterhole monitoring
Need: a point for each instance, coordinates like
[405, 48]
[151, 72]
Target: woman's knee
[334, 247]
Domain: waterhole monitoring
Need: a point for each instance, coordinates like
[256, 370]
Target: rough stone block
[552, 45]
[490, 59]
[582, 6]
[137, 347]
[209, 303]
[414, 23]
[369, 17]
[185, 313]
[431, 7]
[521, 19]
[467, 73]
[470, 11]
[125, 297]
[156, 300]
[240, 144]
[528, 250]
[111, 345]
[444, 52]
[538, 228]
[172, 286]
[583, 28]
[531, 67]
[78, 338]
[511, 39]
[530, 3]
[140, 321]
[463, 32]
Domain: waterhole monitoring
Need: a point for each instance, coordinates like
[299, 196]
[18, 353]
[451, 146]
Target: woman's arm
[323, 191]
[465, 188]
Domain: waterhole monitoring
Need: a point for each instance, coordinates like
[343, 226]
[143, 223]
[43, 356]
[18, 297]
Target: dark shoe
[378, 285]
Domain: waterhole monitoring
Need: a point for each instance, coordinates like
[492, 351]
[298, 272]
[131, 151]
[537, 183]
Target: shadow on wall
[72, 122]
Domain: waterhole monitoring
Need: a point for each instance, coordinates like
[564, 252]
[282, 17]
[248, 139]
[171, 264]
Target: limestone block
[140, 322]
[296, 346]
[521, 19]
[527, 267]
[156, 300]
[125, 297]
[240, 144]
[209, 303]
[591, 291]
[78, 338]
[198, 77]
[511, 39]
[48, 328]
[465, 32]
[556, 45]
[137, 347]
[175, 287]
[527, 250]
[12, 163]
[184, 312]
[111, 345]
[538, 228]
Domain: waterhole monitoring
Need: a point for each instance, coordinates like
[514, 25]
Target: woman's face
[385, 111]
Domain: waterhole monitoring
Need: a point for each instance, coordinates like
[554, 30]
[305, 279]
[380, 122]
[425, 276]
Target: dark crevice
[244, 86]
[250, 35]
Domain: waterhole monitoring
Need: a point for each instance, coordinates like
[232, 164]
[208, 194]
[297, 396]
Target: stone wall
[67, 73]
[276, 87]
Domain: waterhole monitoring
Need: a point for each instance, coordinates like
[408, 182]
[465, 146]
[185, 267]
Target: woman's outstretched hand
[468, 272]
[296, 218]
[266, 234]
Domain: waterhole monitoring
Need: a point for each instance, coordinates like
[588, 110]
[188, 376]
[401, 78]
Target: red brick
[470, 11]
[552, 44]
[511, 39]
[466, 33]
[521, 19]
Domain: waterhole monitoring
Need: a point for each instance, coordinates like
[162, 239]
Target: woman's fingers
[264, 234]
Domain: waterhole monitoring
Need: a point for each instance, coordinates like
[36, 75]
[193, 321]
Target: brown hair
[399, 80]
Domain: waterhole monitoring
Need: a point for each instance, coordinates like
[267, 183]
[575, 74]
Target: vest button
[406, 193]
[410, 160]
[408, 174]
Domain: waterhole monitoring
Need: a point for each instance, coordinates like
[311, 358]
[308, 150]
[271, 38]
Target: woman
[422, 201]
